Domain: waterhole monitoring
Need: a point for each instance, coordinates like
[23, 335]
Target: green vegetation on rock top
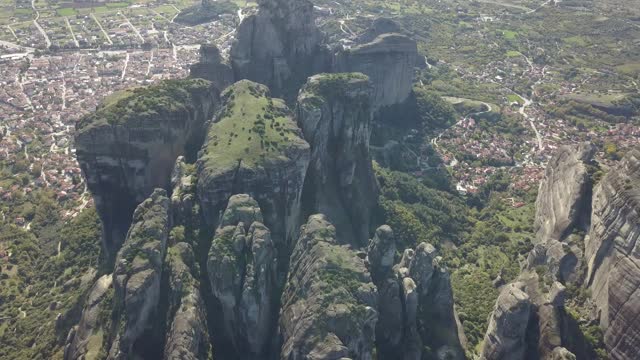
[333, 86]
[251, 129]
[143, 102]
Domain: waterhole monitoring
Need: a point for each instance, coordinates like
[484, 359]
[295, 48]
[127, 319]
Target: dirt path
[73, 35]
[102, 29]
[135, 29]
[35, 22]
[124, 68]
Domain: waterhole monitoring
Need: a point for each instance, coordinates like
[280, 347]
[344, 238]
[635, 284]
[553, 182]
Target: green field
[66, 11]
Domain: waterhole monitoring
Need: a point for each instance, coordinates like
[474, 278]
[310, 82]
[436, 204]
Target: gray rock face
[279, 46]
[87, 338]
[561, 353]
[242, 270]
[612, 252]
[183, 194]
[254, 147]
[187, 337]
[334, 112]
[389, 60]
[127, 149]
[562, 201]
[505, 338]
[329, 303]
[381, 253]
[417, 292]
[137, 272]
[212, 67]
[561, 259]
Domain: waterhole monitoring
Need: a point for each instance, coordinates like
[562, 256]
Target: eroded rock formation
[242, 267]
[334, 112]
[120, 306]
[187, 334]
[505, 338]
[86, 339]
[388, 57]
[279, 46]
[612, 252]
[329, 302]
[129, 145]
[564, 195]
[212, 67]
[415, 301]
[137, 272]
[254, 147]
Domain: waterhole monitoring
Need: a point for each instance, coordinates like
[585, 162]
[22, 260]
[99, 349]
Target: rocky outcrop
[187, 336]
[279, 46]
[254, 147]
[334, 112]
[242, 268]
[212, 67]
[86, 339]
[561, 259]
[129, 145]
[381, 253]
[561, 353]
[329, 303]
[415, 301]
[388, 58]
[183, 194]
[137, 273]
[612, 252]
[379, 26]
[563, 201]
[505, 337]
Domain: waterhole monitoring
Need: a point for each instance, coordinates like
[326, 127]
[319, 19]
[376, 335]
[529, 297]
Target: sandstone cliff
[334, 112]
[612, 252]
[329, 302]
[254, 147]
[388, 58]
[137, 272]
[564, 195]
[129, 145]
[120, 306]
[279, 46]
